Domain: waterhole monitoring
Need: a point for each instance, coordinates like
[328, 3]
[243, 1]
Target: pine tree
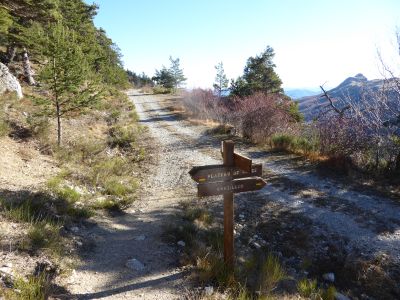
[258, 76]
[165, 78]
[221, 82]
[67, 75]
[176, 72]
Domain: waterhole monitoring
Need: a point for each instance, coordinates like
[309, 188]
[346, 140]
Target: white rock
[135, 265]
[8, 82]
[75, 229]
[256, 245]
[339, 296]
[6, 270]
[329, 277]
[181, 243]
[208, 290]
[140, 238]
[241, 216]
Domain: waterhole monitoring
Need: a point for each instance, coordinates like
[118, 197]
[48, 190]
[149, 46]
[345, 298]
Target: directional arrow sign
[234, 186]
[242, 162]
[214, 173]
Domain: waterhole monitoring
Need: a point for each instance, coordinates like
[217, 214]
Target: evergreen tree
[258, 76]
[139, 80]
[67, 75]
[165, 78]
[176, 72]
[221, 82]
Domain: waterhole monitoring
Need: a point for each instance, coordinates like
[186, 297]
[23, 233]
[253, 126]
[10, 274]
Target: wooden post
[227, 153]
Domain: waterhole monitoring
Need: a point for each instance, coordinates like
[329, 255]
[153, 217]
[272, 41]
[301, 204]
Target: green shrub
[116, 187]
[34, 288]
[122, 137]
[82, 150]
[305, 145]
[308, 288]
[25, 211]
[271, 273]
[211, 267]
[113, 117]
[108, 204]
[116, 166]
[282, 142]
[161, 90]
[79, 212]
[134, 116]
[329, 293]
[68, 194]
[44, 235]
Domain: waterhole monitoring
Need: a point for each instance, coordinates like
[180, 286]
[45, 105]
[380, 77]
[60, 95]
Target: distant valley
[300, 93]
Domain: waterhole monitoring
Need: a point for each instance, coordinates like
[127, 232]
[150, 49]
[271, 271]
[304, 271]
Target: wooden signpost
[237, 174]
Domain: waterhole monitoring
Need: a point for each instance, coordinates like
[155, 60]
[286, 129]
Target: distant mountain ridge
[300, 93]
[352, 87]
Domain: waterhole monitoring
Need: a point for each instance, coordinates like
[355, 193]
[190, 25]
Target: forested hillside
[28, 27]
[70, 147]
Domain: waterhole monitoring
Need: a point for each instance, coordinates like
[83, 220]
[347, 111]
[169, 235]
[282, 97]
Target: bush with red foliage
[256, 117]
[259, 116]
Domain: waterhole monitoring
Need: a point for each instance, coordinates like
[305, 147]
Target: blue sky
[314, 41]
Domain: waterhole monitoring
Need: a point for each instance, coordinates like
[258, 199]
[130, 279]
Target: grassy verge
[254, 277]
[100, 160]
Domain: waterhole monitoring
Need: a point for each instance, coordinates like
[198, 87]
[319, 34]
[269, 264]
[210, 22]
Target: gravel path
[136, 235]
[370, 223]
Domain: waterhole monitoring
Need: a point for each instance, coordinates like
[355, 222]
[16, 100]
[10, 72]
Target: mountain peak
[358, 79]
[361, 77]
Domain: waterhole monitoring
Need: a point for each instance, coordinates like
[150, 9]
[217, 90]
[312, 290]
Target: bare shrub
[259, 116]
[203, 104]
[361, 134]
[256, 117]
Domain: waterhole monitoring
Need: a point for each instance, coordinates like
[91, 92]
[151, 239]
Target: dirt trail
[137, 233]
[368, 223]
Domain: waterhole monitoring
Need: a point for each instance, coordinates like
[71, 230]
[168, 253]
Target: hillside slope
[351, 89]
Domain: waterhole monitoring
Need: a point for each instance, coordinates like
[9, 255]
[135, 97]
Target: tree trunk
[58, 124]
[11, 52]
[27, 68]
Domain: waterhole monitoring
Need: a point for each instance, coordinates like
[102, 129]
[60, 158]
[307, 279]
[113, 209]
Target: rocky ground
[319, 226]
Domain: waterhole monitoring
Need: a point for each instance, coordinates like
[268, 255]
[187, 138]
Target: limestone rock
[8, 82]
[135, 265]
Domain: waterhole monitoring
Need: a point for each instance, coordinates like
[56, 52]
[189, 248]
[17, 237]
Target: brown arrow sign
[234, 186]
[215, 173]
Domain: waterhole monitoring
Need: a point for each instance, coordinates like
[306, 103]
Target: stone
[8, 82]
[74, 229]
[181, 243]
[140, 237]
[339, 296]
[255, 245]
[208, 290]
[329, 277]
[135, 265]
[6, 270]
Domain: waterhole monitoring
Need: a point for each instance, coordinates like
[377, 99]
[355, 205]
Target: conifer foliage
[56, 39]
[67, 76]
